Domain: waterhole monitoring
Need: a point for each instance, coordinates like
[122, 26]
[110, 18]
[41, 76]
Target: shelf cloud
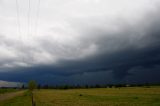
[81, 41]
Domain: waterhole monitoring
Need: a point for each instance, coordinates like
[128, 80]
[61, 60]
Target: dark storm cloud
[117, 55]
[130, 52]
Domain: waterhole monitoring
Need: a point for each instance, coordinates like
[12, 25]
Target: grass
[130, 96]
[2, 91]
[24, 100]
[99, 97]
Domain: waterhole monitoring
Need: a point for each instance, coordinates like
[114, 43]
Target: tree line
[34, 85]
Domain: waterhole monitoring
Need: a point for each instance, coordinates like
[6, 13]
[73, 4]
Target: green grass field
[24, 100]
[2, 91]
[129, 96]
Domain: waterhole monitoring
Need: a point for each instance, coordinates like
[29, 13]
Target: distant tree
[78, 86]
[110, 85]
[46, 86]
[66, 87]
[39, 86]
[86, 86]
[22, 86]
[97, 86]
[32, 85]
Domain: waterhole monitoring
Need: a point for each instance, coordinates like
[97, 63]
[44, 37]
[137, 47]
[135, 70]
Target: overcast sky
[80, 41]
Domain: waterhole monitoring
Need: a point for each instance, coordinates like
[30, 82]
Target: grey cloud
[114, 50]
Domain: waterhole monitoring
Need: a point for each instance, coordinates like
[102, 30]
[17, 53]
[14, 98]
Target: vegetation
[24, 100]
[128, 96]
[7, 90]
[32, 85]
[123, 96]
[94, 86]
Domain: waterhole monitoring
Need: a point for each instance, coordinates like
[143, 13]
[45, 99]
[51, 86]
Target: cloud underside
[91, 50]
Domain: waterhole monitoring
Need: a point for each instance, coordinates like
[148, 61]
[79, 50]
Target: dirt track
[7, 96]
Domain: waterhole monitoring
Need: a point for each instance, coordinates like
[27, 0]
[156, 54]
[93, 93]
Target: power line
[29, 9]
[19, 26]
[29, 22]
[18, 19]
[37, 17]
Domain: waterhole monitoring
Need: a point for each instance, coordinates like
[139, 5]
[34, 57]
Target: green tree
[32, 85]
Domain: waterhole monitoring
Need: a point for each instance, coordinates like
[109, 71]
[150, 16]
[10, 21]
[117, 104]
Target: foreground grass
[23, 100]
[2, 91]
[99, 97]
[135, 96]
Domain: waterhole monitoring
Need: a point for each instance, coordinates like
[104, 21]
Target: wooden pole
[33, 103]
